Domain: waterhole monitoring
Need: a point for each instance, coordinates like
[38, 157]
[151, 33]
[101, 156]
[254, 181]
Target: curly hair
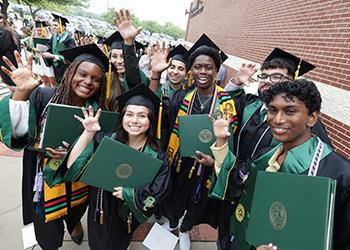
[208, 51]
[281, 64]
[64, 92]
[305, 90]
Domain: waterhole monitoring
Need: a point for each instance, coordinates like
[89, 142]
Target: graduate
[41, 66]
[192, 179]
[293, 109]
[61, 39]
[122, 54]
[23, 116]
[254, 132]
[113, 217]
[176, 67]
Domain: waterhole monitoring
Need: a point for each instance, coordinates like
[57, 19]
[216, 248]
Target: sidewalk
[203, 237]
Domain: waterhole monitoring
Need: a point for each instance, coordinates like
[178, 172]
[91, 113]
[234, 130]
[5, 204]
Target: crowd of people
[271, 131]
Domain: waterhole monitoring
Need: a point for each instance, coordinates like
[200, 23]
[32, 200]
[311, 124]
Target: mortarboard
[41, 24]
[299, 64]
[115, 41]
[100, 39]
[179, 53]
[60, 19]
[141, 95]
[91, 53]
[139, 45]
[204, 40]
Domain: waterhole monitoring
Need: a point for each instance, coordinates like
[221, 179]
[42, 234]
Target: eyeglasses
[274, 78]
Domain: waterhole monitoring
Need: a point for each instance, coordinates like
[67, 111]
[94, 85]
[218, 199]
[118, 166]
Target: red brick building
[315, 30]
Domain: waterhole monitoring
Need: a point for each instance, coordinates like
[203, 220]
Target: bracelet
[154, 78]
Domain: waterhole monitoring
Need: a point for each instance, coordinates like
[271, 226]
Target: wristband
[154, 78]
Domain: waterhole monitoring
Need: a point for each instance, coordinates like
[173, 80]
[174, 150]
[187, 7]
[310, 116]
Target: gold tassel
[105, 49]
[129, 221]
[191, 171]
[178, 166]
[297, 71]
[159, 126]
[61, 28]
[189, 83]
[109, 76]
[102, 217]
[43, 32]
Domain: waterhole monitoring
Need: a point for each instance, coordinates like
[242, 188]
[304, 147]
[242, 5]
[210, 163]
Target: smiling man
[293, 109]
[254, 133]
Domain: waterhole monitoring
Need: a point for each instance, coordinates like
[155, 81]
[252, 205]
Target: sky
[157, 10]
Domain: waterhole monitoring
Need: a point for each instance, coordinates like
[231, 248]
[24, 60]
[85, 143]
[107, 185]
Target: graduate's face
[289, 120]
[118, 60]
[176, 72]
[204, 71]
[264, 84]
[135, 120]
[1, 21]
[56, 27]
[87, 80]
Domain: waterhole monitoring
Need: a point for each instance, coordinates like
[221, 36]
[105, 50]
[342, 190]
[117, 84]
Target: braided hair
[64, 92]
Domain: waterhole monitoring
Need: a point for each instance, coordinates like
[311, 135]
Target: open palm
[159, 58]
[22, 76]
[124, 25]
[90, 122]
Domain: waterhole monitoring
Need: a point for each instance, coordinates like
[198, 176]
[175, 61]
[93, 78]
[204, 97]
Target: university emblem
[240, 212]
[124, 171]
[278, 215]
[205, 135]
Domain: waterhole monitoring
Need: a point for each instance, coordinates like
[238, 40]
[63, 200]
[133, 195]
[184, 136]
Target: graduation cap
[204, 40]
[90, 53]
[299, 64]
[115, 41]
[61, 20]
[141, 95]
[179, 53]
[41, 24]
[100, 39]
[139, 45]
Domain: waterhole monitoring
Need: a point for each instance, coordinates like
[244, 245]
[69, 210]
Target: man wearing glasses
[254, 133]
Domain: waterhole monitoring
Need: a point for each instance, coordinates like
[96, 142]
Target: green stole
[297, 161]
[58, 45]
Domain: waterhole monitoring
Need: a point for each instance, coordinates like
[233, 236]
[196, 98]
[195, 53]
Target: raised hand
[245, 73]
[159, 58]
[22, 76]
[90, 122]
[221, 127]
[123, 22]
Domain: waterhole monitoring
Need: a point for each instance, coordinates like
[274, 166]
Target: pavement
[202, 237]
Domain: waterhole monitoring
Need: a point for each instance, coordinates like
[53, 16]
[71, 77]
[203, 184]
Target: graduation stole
[56, 201]
[58, 44]
[221, 99]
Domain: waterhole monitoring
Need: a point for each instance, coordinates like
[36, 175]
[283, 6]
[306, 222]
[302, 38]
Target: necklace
[203, 103]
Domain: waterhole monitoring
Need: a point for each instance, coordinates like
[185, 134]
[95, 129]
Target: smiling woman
[26, 111]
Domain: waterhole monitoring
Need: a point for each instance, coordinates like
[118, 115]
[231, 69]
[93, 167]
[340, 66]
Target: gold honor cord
[109, 76]
[159, 127]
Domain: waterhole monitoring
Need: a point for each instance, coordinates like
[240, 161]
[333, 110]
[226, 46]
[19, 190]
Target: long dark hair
[64, 92]
[122, 135]
[8, 27]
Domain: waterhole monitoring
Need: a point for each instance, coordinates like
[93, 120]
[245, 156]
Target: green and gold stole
[221, 99]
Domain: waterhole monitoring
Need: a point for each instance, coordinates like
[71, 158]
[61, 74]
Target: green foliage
[151, 26]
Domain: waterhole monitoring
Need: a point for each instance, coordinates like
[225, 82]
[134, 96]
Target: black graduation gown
[7, 48]
[253, 136]
[333, 166]
[49, 235]
[189, 194]
[113, 234]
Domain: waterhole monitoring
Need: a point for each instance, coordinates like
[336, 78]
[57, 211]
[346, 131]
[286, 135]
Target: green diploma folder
[115, 164]
[61, 125]
[292, 211]
[196, 133]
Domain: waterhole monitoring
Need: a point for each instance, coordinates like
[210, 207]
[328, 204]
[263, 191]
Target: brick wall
[316, 30]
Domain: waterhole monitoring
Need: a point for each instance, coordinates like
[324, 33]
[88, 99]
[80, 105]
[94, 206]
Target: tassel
[191, 171]
[61, 27]
[159, 126]
[105, 49]
[297, 71]
[43, 32]
[109, 76]
[102, 217]
[178, 166]
[189, 83]
[129, 221]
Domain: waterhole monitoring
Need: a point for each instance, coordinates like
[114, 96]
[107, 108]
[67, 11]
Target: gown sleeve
[144, 201]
